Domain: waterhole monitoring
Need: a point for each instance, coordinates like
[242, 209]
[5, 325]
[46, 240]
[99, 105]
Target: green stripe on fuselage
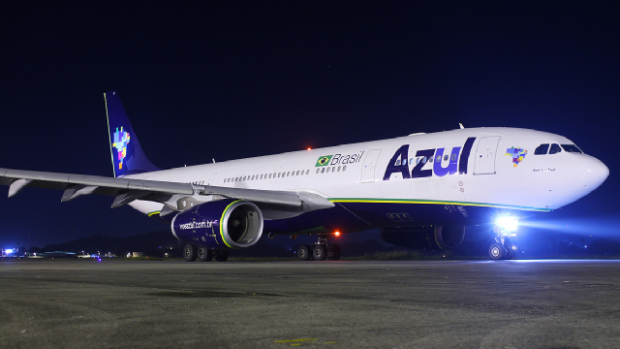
[435, 202]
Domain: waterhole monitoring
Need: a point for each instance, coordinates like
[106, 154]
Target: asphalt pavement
[343, 304]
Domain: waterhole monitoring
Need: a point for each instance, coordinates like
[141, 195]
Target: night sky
[230, 80]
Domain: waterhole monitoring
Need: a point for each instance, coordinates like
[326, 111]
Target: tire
[319, 253]
[189, 253]
[497, 251]
[221, 255]
[333, 253]
[303, 252]
[205, 254]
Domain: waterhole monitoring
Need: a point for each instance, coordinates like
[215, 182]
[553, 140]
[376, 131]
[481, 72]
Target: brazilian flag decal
[323, 161]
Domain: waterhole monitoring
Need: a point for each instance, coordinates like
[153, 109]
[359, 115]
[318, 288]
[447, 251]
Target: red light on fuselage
[309, 148]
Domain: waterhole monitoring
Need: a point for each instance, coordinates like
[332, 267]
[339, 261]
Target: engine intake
[224, 223]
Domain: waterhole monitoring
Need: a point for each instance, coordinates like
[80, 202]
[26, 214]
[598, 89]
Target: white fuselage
[357, 172]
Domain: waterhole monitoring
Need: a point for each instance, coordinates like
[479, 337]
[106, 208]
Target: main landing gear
[319, 251]
[192, 252]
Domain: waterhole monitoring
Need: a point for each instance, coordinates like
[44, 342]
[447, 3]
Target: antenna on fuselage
[461, 125]
[213, 160]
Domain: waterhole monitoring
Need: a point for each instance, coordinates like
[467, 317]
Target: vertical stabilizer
[127, 154]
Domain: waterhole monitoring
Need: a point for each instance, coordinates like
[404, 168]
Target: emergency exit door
[485, 155]
[370, 165]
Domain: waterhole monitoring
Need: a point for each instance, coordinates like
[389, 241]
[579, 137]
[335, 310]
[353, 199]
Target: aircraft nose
[593, 172]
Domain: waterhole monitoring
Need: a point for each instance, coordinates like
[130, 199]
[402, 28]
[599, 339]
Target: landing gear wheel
[189, 253]
[221, 256]
[333, 253]
[205, 254]
[319, 253]
[497, 251]
[303, 252]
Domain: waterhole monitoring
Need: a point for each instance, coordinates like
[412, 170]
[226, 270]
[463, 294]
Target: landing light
[507, 223]
[8, 250]
[337, 233]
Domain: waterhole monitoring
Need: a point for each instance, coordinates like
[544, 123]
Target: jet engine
[220, 224]
[442, 237]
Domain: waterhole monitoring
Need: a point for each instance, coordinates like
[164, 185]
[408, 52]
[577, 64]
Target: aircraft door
[485, 155]
[370, 165]
[211, 178]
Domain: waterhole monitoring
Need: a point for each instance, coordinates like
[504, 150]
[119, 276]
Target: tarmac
[342, 304]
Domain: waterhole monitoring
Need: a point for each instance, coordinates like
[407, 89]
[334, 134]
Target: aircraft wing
[127, 190]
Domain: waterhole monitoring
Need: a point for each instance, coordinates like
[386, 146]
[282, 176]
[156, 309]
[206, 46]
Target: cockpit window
[571, 148]
[542, 149]
[555, 148]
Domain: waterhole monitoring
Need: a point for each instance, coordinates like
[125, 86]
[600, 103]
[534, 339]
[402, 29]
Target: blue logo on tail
[121, 139]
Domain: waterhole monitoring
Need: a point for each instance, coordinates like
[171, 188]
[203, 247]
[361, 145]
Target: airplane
[421, 190]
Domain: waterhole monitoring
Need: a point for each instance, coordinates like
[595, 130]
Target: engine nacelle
[443, 237]
[220, 224]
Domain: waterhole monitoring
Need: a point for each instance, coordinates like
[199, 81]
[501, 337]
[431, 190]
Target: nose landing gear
[501, 247]
[320, 250]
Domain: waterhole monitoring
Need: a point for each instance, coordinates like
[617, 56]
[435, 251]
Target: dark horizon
[231, 80]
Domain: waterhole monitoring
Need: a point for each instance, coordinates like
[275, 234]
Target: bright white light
[507, 223]
[8, 250]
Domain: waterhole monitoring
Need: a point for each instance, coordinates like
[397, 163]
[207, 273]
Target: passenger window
[398, 162]
[424, 160]
[555, 148]
[446, 157]
[338, 168]
[453, 157]
[323, 170]
[317, 170]
[542, 149]
[308, 172]
[298, 173]
[344, 168]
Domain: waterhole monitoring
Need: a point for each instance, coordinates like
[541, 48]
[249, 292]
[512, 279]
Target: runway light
[507, 223]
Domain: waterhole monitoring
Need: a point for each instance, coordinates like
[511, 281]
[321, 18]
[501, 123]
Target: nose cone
[593, 172]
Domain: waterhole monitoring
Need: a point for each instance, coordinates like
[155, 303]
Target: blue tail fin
[127, 154]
